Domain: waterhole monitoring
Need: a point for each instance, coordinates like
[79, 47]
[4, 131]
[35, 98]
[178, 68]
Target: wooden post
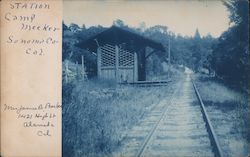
[169, 56]
[77, 70]
[82, 71]
[99, 55]
[135, 67]
[82, 62]
[169, 51]
[117, 63]
[143, 61]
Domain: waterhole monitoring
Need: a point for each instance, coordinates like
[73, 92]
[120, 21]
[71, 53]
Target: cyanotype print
[155, 78]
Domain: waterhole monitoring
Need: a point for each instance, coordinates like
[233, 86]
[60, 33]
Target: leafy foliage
[188, 51]
[230, 56]
[227, 56]
[192, 52]
[72, 35]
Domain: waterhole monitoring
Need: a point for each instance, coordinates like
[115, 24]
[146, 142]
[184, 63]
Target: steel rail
[214, 140]
[145, 142]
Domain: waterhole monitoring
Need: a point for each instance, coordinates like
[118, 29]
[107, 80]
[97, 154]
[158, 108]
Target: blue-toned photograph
[159, 78]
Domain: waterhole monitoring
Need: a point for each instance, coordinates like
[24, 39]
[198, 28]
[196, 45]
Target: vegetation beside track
[229, 113]
[97, 114]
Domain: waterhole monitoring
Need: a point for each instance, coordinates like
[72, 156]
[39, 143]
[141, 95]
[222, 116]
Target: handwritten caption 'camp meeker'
[35, 30]
[38, 117]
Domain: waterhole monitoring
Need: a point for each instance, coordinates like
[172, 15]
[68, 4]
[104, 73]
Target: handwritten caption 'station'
[25, 17]
[41, 117]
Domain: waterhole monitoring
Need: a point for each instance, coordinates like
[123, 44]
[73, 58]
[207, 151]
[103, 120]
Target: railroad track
[176, 127]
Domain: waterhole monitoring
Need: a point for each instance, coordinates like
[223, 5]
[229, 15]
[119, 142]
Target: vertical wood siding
[117, 64]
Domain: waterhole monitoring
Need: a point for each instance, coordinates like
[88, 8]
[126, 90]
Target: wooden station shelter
[121, 54]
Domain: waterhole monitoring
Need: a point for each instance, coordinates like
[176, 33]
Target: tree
[142, 26]
[74, 27]
[197, 35]
[196, 48]
[230, 56]
[118, 23]
[83, 27]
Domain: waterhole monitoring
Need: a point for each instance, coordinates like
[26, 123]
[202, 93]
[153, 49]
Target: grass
[216, 92]
[229, 112]
[97, 114]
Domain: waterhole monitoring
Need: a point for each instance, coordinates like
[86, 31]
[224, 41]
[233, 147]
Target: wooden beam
[135, 67]
[151, 53]
[143, 62]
